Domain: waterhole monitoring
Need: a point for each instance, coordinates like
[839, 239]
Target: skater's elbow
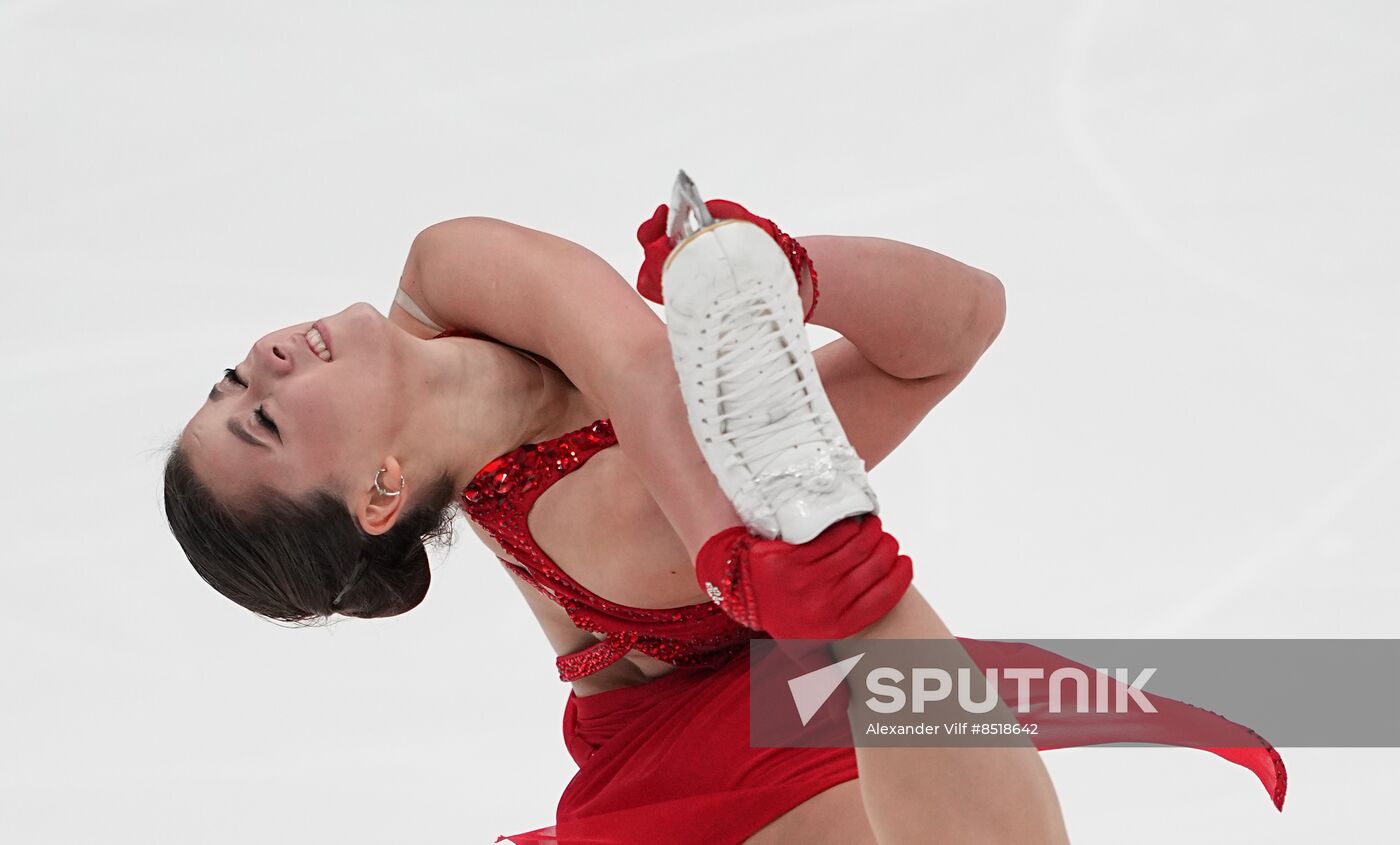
[983, 313]
[991, 312]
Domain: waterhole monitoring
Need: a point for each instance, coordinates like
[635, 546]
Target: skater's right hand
[831, 587]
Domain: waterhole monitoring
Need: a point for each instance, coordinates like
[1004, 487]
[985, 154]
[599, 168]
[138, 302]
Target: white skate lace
[748, 420]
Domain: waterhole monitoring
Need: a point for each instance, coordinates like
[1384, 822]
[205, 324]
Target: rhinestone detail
[797, 257]
[499, 498]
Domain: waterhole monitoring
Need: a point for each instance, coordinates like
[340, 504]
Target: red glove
[656, 245]
[828, 588]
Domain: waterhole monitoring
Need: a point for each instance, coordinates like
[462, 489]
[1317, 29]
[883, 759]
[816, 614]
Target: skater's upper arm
[532, 290]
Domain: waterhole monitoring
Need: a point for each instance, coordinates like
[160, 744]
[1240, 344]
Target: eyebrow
[243, 434]
[238, 431]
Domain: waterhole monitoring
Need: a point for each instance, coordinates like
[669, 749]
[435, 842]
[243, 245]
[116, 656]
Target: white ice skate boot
[754, 400]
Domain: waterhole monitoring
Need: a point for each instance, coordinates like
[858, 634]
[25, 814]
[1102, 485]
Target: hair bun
[391, 583]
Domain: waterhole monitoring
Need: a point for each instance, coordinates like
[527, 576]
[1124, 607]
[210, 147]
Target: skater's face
[288, 419]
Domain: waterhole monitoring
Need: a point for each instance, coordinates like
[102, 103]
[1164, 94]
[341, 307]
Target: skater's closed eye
[231, 377]
[266, 421]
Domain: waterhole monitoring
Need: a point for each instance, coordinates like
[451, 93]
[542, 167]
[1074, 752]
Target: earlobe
[379, 507]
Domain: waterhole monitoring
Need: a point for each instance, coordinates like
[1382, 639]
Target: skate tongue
[759, 411]
[760, 449]
[758, 418]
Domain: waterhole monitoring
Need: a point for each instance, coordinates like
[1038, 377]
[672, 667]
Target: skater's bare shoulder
[533, 290]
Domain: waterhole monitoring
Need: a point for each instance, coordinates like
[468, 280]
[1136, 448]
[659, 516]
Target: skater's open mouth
[319, 341]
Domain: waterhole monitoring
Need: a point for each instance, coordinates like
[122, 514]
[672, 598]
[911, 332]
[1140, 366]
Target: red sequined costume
[669, 760]
[499, 499]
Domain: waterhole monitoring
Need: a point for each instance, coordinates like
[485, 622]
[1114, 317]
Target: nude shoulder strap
[404, 301]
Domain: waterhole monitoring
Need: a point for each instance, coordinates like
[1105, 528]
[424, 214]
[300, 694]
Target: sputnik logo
[810, 691]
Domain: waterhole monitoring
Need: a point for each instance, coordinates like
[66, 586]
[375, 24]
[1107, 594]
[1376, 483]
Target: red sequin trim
[499, 498]
[797, 257]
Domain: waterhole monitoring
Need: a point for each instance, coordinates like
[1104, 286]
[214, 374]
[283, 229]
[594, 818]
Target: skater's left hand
[656, 245]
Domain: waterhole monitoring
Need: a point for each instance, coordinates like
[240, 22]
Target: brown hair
[290, 559]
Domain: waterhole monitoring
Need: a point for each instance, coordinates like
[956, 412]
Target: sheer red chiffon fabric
[669, 761]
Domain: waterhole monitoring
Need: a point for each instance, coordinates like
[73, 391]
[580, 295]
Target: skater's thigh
[833, 817]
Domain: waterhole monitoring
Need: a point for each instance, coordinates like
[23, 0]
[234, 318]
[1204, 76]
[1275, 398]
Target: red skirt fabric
[669, 761]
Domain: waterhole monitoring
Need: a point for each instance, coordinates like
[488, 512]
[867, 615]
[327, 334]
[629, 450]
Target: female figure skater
[511, 362]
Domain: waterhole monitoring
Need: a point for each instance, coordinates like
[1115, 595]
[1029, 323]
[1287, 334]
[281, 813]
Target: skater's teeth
[318, 345]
